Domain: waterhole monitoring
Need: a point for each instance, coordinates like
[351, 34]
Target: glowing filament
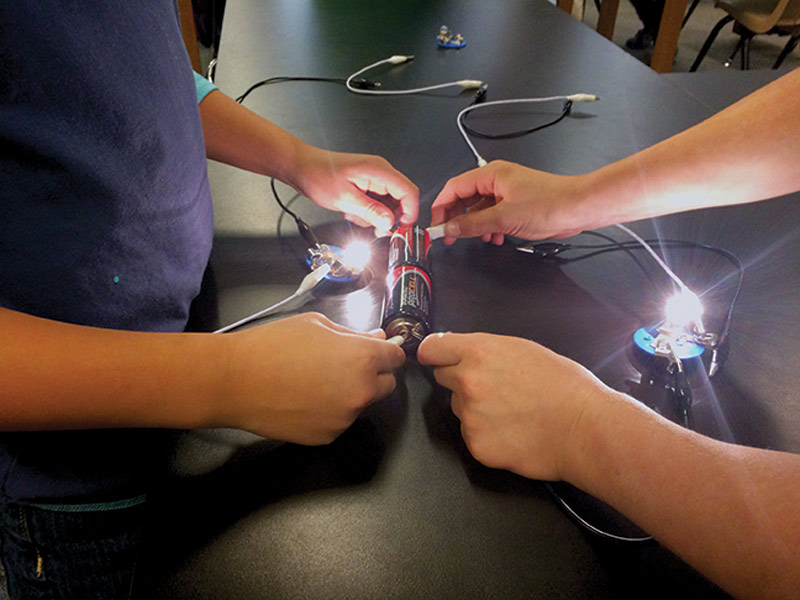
[356, 256]
[684, 308]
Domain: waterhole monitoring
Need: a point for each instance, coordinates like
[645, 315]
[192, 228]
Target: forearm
[60, 376]
[745, 153]
[237, 136]
[729, 511]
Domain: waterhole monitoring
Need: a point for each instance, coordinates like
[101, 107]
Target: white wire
[655, 256]
[459, 119]
[596, 530]
[260, 314]
[394, 92]
[308, 283]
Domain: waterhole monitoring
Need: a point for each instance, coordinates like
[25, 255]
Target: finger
[478, 182]
[456, 405]
[440, 349]
[447, 377]
[383, 181]
[356, 220]
[390, 357]
[487, 237]
[386, 384]
[476, 224]
[498, 239]
[374, 213]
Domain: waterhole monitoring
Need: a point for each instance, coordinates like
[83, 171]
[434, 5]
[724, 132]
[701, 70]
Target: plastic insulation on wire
[460, 117]
[554, 251]
[519, 133]
[357, 83]
[655, 256]
[397, 59]
[308, 283]
[593, 528]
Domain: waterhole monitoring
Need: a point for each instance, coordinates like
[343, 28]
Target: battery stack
[407, 311]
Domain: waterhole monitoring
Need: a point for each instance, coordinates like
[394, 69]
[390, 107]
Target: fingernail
[384, 224]
[452, 229]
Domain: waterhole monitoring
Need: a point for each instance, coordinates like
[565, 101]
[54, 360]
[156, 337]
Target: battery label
[409, 245]
[409, 289]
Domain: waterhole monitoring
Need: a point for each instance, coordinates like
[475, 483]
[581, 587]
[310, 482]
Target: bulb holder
[333, 256]
[655, 342]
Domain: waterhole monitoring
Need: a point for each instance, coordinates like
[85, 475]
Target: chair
[753, 17]
[186, 14]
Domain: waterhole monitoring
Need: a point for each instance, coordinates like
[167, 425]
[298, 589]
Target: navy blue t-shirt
[105, 211]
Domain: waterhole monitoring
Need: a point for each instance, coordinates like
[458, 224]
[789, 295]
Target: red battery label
[409, 290]
[409, 245]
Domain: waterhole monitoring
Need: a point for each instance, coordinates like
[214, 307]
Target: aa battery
[409, 245]
[408, 287]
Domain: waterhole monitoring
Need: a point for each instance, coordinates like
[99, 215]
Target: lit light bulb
[684, 308]
[356, 256]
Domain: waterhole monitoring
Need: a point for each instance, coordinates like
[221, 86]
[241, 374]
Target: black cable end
[305, 231]
[365, 84]
[480, 95]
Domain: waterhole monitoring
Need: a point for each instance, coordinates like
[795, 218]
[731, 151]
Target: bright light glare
[356, 255]
[684, 308]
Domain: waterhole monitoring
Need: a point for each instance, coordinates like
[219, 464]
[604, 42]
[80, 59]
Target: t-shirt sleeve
[203, 86]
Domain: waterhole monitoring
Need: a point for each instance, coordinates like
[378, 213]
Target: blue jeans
[68, 552]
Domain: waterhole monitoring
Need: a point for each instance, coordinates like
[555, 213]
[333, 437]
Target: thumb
[475, 223]
[441, 349]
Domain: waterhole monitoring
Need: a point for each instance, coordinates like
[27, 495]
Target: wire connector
[469, 84]
[582, 98]
[313, 278]
[365, 84]
[399, 59]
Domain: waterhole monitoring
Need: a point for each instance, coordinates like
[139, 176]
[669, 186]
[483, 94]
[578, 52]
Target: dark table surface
[396, 507]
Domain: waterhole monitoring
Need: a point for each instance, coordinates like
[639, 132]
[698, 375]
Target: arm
[61, 376]
[334, 180]
[729, 511]
[745, 153]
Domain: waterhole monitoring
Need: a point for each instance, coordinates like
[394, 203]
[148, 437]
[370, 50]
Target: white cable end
[482, 162]
[397, 340]
[582, 98]
[313, 278]
[469, 84]
[399, 58]
[436, 231]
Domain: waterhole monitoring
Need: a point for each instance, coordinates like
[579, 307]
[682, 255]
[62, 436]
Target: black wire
[282, 79]
[633, 257]
[557, 248]
[514, 134]
[633, 245]
[278, 200]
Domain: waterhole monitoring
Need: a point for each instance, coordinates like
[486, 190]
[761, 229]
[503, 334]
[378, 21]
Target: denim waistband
[90, 506]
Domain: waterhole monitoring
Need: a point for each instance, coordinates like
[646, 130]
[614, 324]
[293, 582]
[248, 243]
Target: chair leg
[787, 50]
[746, 53]
[689, 12]
[738, 47]
[710, 40]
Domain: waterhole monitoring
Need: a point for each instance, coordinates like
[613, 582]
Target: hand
[518, 402]
[305, 379]
[343, 182]
[506, 198]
